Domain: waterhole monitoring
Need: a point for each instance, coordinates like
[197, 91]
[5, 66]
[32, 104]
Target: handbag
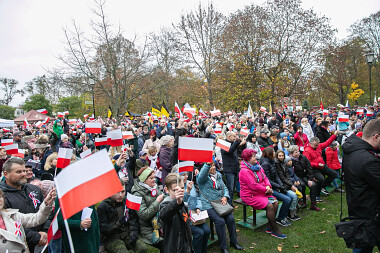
[358, 232]
[220, 209]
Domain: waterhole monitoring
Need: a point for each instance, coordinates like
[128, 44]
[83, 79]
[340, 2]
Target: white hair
[164, 141]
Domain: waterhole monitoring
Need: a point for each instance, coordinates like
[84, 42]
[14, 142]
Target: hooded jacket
[315, 155]
[361, 166]
[21, 200]
[176, 226]
[230, 158]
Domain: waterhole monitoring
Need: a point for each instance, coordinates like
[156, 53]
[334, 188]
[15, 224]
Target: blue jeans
[231, 179]
[200, 233]
[56, 246]
[286, 201]
[220, 227]
[294, 202]
[363, 250]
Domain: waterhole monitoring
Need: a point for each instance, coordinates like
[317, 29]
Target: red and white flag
[60, 115]
[190, 112]
[53, 227]
[39, 124]
[6, 142]
[230, 127]
[66, 112]
[359, 111]
[46, 120]
[85, 154]
[325, 112]
[116, 138]
[72, 121]
[195, 149]
[43, 111]
[215, 113]
[263, 109]
[218, 129]
[64, 157]
[178, 111]
[133, 202]
[225, 145]
[321, 106]
[86, 182]
[85, 116]
[93, 127]
[186, 166]
[202, 113]
[369, 113]
[11, 149]
[26, 124]
[244, 132]
[101, 141]
[343, 118]
[6, 130]
[128, 135]
[92, 117]
[21, 153]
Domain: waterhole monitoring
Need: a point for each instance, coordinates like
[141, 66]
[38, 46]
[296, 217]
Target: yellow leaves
[354, 85]
[356, 93]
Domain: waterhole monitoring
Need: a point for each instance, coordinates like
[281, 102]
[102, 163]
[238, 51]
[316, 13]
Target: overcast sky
[31, 30]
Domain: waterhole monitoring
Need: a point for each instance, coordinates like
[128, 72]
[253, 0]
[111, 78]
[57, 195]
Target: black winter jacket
[176, 226]
[322, 134]
[263, 142]
[19, 199]
[302, 167]
[361, 166]
[109, 213]
[283, 174]
[230, 158]
[271, 173]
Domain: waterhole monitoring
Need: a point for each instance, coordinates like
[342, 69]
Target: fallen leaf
[296, 246]
[251, 247]
[237, 230]
[254, 243]
[323, 209]
[322, 232]
[280, 244]
[279, 249]
[328, 221]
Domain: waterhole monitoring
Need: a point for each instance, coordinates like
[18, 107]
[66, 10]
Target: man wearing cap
[273, 122]
[22, 144]
[263, 139]
[261, 126]
[142, 161]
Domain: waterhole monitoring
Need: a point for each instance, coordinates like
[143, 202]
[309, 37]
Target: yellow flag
[109, 112]
[156, 111]
[164, 110]
[128, 114]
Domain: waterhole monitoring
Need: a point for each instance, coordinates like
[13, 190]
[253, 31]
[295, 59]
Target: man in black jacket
[361, 166]
[119, 229]
[25, 197]
[231, 163]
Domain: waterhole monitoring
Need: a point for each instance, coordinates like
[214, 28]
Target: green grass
[315, 232]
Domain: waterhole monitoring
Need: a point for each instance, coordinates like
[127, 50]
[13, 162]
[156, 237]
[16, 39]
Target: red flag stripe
[223, 145]
[195, 155]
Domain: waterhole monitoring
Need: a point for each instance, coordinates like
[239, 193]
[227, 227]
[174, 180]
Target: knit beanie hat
[145, 174]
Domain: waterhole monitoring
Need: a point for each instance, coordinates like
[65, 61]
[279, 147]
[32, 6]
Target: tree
[72, 104]
[7, 112]
[199, 34]
[36, 102]
[9, 88]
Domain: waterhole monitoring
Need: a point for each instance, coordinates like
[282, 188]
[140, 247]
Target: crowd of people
[272, 158]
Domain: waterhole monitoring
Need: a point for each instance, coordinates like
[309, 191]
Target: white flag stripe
[133, 198]
[195, 143]
[224, 143]
[65, 153]
[12, 146]
[100, 139]
[93, 125]
[89, 168]
[116, 134]
[86, 153]
[185, 164]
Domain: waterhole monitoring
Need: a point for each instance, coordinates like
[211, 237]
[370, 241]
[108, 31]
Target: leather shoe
[237, 246]
[224, 251]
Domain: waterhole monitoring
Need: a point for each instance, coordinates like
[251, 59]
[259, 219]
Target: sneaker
[284, 222]
[318, 199]
[268, 230]
[324, 191]
[279, 236]
[296, 217]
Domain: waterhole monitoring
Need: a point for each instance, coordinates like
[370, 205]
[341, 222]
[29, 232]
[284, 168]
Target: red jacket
[332, 159]
[299, 139]
[315, 155]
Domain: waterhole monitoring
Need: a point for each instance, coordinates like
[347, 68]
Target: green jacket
[84, 241]
[148, 210]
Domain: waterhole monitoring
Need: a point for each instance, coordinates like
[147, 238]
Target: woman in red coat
[301, 138]
[332, 161]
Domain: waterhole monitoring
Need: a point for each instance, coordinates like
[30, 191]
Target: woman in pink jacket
[256, 191]
[301, 138]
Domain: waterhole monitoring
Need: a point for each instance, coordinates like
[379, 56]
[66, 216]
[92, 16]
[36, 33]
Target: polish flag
[85, 154]
[92, 117]
[343, 118]
[178, 111]
[26, 124]
[128, 135]
[6, 142]
[93, 127]
[72, 121]
[215, 113]
[244, 132]
[21, 153]
[116, 138]
[218, 130]
[100, 141]
[53, 228]
[39, 124]
[325, 112]
[190, 112]
[230, 127]
[321, 106]
[186, 166]
[6, 130]
[195, 149]
[133, 202]
[225, 145]
[66, 112]
[359, 111]
[86, 182]
[263, 109]
[11, 149]
[85, 116]
[202, 113]
[46, 120]
[60, 115]
[64, 157]
[74, 132]
[369, 114]
[43, 111]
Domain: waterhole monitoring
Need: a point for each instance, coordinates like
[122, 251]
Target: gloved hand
[122, 221]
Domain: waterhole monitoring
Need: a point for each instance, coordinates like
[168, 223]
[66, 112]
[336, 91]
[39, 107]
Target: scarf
[255, 168]
[214, 178]
[153, 161]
